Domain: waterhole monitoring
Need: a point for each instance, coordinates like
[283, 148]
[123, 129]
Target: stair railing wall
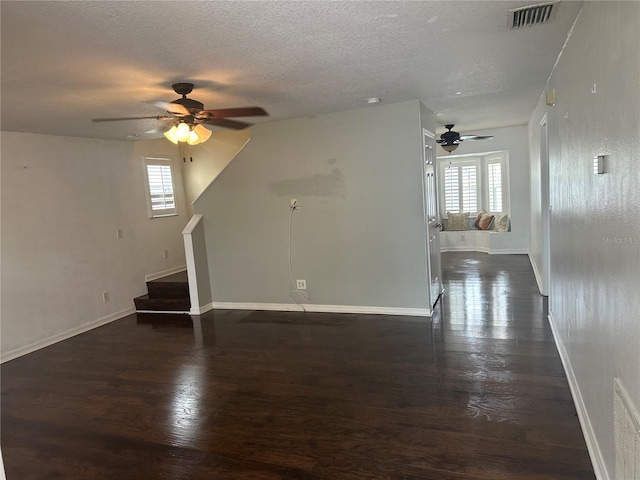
[197, 266]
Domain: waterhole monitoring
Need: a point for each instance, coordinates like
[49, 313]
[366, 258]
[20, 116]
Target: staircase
[167, 294]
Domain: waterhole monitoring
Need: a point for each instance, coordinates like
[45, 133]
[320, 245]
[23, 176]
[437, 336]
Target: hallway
[478, 394]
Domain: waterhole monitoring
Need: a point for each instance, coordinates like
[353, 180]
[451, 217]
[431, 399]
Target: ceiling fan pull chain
[181, 153]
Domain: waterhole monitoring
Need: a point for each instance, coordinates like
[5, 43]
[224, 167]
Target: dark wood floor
[478, 394]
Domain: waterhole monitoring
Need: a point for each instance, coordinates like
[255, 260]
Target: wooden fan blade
[157, 117]
[226, 123]
[476, 137]
[233, 112]
[170, 107]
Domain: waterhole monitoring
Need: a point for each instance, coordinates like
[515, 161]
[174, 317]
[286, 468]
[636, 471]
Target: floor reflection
[477, 392]
[186, 414]
[491, 320]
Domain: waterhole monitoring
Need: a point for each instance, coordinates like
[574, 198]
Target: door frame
[431, 218]
[545, 207]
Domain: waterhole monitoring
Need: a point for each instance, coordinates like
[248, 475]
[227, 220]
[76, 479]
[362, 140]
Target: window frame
[482, 162]
[163, 161]
[460, 162]
[497, 158]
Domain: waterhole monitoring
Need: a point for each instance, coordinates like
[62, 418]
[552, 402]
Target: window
[473, 183]
[494, 187]
[460, 186]
[161, 200]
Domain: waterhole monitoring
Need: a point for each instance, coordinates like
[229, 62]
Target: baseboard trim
[177, 312]
[511, 251]
[309, 307]
[164, 273]
[597, 460]
[201, 309]
[536, 273]
[464, 248]
[32, 347]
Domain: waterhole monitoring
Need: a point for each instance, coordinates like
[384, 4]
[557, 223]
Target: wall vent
[626, 431]
[531, 15]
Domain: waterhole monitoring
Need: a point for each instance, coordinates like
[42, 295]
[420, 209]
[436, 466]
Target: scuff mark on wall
[332, 184]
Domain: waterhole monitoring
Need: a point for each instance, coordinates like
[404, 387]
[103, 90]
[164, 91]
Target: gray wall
[359, 236]
[63, 200]
[595, 219]
[195, 246]
[539, 185]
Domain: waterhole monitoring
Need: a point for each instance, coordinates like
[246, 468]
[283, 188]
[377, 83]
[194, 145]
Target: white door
[432, 218]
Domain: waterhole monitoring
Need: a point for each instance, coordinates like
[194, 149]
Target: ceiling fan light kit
[182, 132]
[450, 140]
[191, 135]
[189, 116]
[449, 147]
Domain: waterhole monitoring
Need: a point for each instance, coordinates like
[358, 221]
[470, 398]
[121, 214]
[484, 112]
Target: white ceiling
[64, 63]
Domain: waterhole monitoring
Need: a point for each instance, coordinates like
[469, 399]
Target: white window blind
[469, 188]
[451, 189]
[473, 183]
[160, 187]
[494, 187]
[459, 184]
[160, 192]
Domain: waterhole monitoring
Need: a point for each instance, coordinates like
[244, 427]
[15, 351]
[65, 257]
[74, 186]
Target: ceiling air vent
[531, 15]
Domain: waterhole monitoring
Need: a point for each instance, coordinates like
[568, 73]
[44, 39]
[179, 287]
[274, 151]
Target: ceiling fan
[450, 140]
[187, 117]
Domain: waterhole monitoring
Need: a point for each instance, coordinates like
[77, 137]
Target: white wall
[2, 474]
[515, 141]
[539, 200]
[359, 238]
[195, 246]
[63, 200]
[595, 219]
[209, 159]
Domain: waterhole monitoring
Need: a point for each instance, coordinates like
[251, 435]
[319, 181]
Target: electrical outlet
[462, 237]
[119, 234]
[166, 254]
[105, 297]
[301, 284]
[293, 203]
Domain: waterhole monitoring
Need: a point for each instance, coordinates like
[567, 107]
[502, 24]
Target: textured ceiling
[64, 63]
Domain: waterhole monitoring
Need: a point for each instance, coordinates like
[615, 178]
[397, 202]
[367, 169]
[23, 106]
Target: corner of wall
[209, 161]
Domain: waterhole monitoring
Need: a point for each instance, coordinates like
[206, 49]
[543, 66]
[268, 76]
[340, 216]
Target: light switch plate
[599, 164]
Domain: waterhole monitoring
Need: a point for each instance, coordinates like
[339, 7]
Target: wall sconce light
[183, 132]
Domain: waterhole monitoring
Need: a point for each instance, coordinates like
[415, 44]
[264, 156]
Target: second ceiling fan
[450, 140]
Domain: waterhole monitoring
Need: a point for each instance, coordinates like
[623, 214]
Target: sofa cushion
[478, 217]
[485, 221]
[501, 223]
[457, 221]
